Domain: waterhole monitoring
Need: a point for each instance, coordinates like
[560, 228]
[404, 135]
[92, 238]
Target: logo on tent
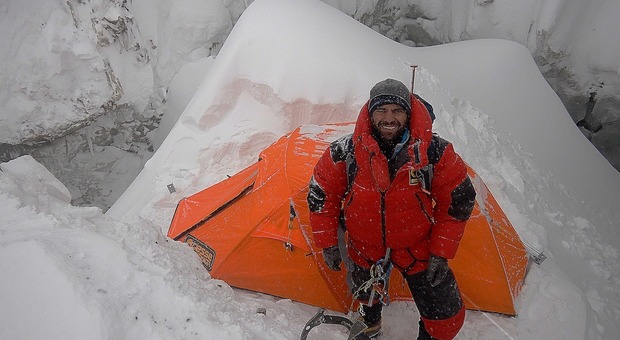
[206, 254]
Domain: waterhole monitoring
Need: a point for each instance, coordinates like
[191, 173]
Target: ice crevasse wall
[93, 78]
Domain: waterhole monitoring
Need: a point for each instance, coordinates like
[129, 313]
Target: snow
[30, 80]
[76, 273]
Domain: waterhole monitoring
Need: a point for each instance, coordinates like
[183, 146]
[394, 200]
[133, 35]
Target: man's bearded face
[390, 120]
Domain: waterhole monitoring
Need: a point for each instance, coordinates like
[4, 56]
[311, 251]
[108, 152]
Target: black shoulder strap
[351, 165]
[435, 151]
[342, 151]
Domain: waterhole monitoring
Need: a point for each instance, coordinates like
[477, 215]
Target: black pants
[433, 303]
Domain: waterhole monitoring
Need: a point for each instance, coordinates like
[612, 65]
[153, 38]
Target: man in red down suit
[399, 190]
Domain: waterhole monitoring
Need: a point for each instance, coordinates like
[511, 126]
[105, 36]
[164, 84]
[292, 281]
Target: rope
[486, 315]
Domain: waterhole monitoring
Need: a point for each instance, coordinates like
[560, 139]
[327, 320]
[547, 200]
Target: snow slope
[77, 273]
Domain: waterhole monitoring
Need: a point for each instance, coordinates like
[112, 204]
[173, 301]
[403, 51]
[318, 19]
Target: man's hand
[332, 257]
[437, 270]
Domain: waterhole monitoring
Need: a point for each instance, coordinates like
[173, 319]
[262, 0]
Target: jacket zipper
[383, 228]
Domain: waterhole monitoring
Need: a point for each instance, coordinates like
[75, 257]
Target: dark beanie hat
[389, 91]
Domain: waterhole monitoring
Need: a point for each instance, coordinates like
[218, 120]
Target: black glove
[332, 257]
[437, 270]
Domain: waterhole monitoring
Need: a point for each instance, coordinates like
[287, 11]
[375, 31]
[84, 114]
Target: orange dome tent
[251, 231]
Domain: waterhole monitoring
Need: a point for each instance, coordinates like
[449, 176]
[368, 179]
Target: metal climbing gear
[378, 284]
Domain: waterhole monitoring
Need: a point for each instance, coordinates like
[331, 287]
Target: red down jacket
[422, 210]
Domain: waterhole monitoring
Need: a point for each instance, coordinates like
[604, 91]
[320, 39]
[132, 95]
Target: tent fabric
[199, 207]
[252, 231]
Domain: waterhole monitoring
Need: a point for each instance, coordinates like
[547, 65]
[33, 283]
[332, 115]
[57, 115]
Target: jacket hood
[420, 127]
